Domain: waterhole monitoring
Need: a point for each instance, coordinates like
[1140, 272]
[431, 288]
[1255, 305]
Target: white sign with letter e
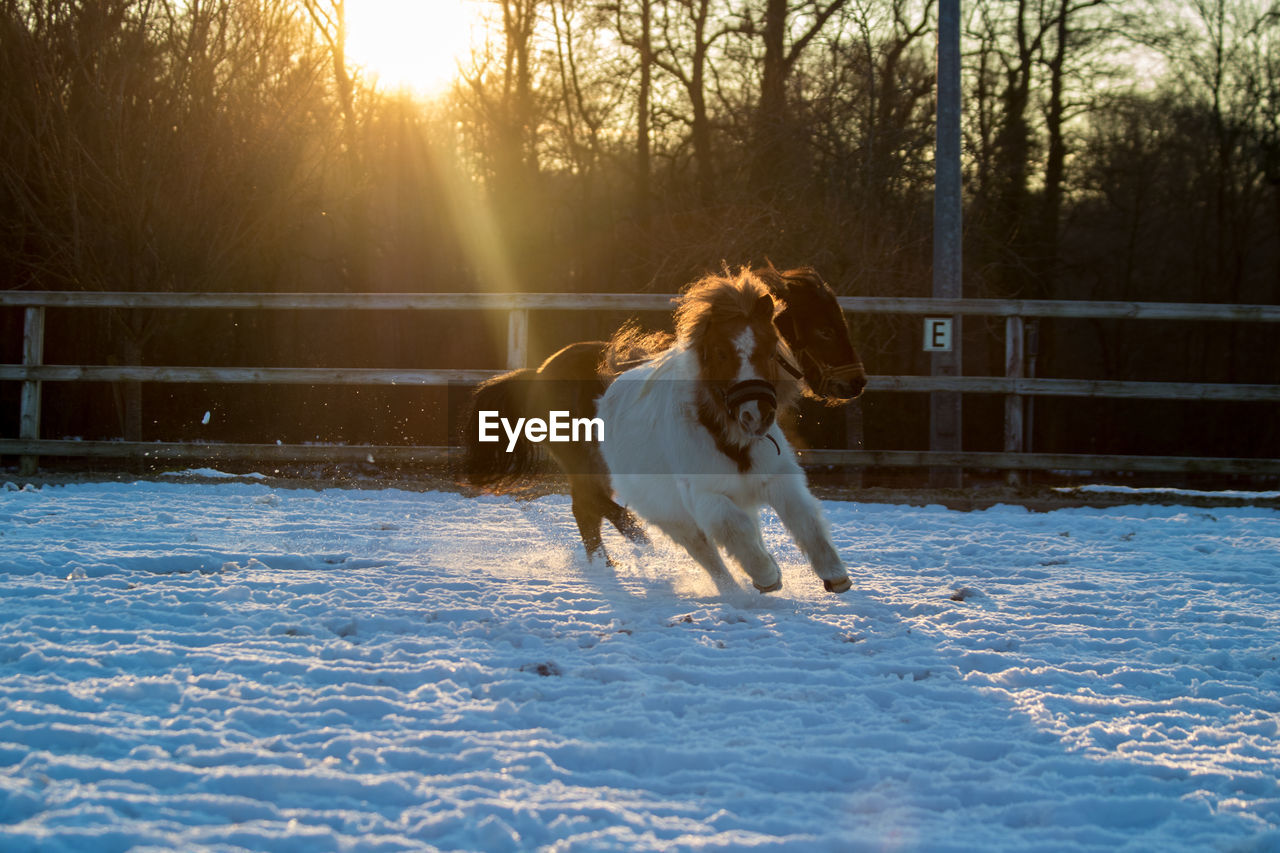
[937, 334]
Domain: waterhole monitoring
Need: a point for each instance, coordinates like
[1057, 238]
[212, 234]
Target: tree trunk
[702, 141]
[643, 205]
[698, 98]
[1046, 286]
[771, 120]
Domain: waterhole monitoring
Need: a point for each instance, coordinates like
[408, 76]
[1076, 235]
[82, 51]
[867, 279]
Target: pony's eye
[826, 334]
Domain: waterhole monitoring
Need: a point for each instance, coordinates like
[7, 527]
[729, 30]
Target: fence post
[1033, 351]
[1013, 361]
[32, 356]
[517, 338]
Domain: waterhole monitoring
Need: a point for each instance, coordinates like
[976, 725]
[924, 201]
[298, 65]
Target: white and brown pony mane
[710, 320]
[718, 302]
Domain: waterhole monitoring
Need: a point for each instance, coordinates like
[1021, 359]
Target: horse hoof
[837, 586]
[771, 588]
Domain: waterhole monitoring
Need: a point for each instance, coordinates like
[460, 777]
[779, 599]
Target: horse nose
[768, 411]
[849, 388]
[753, 403]
[756, 417]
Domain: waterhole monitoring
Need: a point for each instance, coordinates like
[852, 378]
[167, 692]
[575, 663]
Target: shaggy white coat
[665, 466]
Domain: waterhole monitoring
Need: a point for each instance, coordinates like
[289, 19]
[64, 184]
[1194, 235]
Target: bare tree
[498, 92]
[150, 147]
[1218, 49]
[330, 19]
[634, 26]
[1024, 39]
[894, 80]
[686, 31]
[786, 29]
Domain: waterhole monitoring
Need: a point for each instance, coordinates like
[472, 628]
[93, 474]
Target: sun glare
[412, 45]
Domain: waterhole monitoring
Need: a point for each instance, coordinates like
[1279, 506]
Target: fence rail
[1014, 386]
[173, 451]
[382, 376]
[629, 302]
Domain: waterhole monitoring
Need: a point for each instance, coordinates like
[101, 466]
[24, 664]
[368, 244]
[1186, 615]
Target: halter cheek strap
[790, 358]
[789, 366]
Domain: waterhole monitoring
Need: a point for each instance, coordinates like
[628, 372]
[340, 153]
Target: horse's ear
[772, 279]
[763, 309]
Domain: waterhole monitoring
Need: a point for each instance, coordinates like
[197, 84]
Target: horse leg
[801, 514]
[739, 532]
[626, 523]
[592, 503]
[589, 512]
[589, 521]
[589, 465]
[693, 540]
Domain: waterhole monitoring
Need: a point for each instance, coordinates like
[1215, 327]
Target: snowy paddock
[227, 666]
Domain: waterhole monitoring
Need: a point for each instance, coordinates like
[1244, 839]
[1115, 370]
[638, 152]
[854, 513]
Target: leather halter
[754, 389]
[827, 373]
[747, 390]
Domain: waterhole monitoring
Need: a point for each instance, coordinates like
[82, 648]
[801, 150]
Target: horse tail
[489, 465]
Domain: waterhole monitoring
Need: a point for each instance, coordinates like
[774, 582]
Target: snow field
[234, 666]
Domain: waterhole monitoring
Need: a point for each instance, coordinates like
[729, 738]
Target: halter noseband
[754, 389]
[750, 389]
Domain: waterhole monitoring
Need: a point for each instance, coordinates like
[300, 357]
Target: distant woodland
[1112, 151]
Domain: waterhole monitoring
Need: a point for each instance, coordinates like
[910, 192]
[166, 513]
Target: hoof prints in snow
[236, 667]
[543, 669]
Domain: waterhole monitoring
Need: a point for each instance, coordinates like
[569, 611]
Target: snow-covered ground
[227, 666]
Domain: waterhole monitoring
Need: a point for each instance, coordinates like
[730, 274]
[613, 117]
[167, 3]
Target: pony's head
[726, 321]
[812, 325]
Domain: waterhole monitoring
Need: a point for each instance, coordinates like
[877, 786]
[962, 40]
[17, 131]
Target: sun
[412, 45]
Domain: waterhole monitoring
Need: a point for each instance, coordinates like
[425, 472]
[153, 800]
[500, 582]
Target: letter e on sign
[937, 334]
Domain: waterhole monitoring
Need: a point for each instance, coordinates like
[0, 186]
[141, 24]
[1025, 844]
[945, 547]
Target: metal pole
[944, 407]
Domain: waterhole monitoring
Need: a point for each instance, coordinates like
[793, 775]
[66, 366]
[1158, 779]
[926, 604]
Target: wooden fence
[32, 372]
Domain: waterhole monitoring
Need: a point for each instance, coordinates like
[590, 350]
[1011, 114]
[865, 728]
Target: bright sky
[412, 44]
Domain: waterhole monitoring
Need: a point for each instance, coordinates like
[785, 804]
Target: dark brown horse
[814, 349]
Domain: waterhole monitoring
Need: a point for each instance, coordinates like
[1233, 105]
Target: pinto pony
[693, 445]
[814, 350]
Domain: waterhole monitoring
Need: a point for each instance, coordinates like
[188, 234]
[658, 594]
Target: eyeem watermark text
[558, 427]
